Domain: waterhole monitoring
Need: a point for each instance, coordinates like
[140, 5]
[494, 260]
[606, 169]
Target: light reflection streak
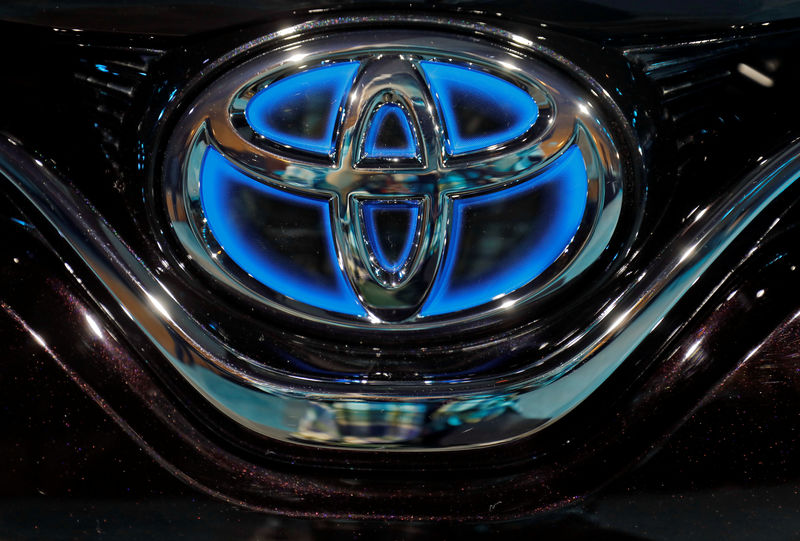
[95, 328]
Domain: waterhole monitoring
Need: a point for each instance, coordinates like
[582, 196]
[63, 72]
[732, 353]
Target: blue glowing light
[301, 110]
[564, 184]
[22, 223]
[391, 262]
[390, 117]
[463, 95]
[221, 183]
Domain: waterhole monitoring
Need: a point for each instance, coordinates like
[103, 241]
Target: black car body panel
[695, 434]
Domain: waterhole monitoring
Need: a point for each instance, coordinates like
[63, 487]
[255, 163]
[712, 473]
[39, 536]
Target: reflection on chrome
[283, 407]
[93, 325]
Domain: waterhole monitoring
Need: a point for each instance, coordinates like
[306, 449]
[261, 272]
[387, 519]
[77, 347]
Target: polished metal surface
[569, 115]
[321, 411]
[301, 411]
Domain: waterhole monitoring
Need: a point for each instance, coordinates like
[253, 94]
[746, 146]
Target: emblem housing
[434, 180]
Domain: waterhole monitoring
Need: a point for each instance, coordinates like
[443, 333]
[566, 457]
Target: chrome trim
[299, 410]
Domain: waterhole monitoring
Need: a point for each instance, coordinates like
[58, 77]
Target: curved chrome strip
[282, 408]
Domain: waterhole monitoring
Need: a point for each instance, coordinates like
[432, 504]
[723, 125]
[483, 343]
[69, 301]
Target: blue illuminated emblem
[383, 219]
[395, 186]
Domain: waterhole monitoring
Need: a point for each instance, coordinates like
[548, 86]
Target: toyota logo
[394, 180]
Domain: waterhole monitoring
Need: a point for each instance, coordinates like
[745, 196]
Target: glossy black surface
[728, 465]
[695, 437]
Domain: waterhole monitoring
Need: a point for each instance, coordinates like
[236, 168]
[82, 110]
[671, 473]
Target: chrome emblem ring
[394, 179]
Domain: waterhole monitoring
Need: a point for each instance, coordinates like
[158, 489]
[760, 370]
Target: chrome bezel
[215, 118]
